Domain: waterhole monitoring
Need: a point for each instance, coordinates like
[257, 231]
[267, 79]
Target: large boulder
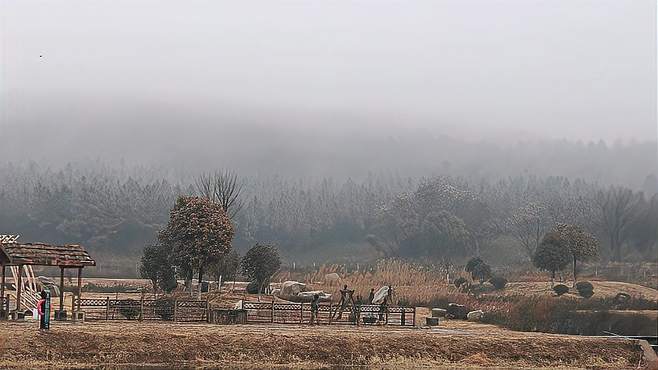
[474, 315]
[456, 311]
[291, 288]
[380, 295]
[308, 296]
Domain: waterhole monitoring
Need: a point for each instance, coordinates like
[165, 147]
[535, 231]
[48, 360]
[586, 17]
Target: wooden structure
[165, 309]
[18, 254]
[300, 313]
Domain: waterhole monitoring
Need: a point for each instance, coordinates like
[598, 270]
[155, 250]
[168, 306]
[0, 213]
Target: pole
[175, 309]
[107, 308]
[141, 307]
[2, 286]
[272, 309]
[19, 288]
[79, 286]
[61, 290]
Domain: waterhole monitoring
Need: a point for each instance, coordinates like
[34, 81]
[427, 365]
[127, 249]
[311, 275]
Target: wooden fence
[296, 313]
[249, 312]
[143, 309]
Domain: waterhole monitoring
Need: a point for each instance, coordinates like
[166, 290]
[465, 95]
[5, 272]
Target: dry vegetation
[177, 345]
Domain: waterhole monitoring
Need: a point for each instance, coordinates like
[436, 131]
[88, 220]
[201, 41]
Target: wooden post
[301, 312]
[73, 306]
[403, 316]
[2, 286]
[19, 288]
[331, 305]
[107, 308]
[175, 309]
[414, 319]
[207, 310]
[61, 289]
[272, 309]
[79, 286]
[141, 308]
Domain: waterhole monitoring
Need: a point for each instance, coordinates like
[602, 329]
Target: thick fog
[330, 87]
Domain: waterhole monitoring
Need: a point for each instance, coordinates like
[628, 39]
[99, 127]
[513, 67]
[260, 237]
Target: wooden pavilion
[41, 254]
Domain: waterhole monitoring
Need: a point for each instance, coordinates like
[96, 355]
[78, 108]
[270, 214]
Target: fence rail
[296, 313]
[249, 312]
[143, 309]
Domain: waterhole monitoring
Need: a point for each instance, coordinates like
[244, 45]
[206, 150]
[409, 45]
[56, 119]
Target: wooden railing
[143, 309]
[296, 313]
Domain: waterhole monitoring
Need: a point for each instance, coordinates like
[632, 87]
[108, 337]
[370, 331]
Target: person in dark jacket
[315, 307]
[41, 309]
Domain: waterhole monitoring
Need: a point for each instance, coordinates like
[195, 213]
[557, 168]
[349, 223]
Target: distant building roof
[42, 254]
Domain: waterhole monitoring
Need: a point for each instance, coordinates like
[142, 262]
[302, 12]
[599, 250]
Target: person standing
[315, 307]
[43, 311]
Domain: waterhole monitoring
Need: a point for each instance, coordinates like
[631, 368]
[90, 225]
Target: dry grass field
[455, 345]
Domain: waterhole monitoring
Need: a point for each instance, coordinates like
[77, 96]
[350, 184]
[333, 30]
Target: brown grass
[412, 283]
[263, 346]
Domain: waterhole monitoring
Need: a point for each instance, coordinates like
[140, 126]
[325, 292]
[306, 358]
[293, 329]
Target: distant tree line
[438, 218]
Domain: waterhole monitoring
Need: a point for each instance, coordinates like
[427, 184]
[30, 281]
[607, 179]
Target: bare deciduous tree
[618, 208]
[222, 187]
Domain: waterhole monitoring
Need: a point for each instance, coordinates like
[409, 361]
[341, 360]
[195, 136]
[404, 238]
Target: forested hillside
[118, 210]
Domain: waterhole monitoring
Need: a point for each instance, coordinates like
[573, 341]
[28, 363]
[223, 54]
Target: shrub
[164, 308]
[560, 289]
[585, 289]
[260, 263]
[252, 287]
[478, 269]
[622, 299]
[128, 308]
[498, 282]
[459, 281]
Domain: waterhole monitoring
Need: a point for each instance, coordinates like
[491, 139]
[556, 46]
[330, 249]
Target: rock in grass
[438, 312]
[432, 321]
[456, 311]
[475, 315]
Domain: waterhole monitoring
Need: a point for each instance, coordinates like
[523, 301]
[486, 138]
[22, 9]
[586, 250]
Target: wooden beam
[19, 287]
[2, 288]
[61, 289]
[79, 287]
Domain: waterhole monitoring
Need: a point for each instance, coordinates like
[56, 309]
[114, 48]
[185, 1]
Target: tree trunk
[188, 281]
[200, 279]
[260, 289]
[552, 278]
[574, 271]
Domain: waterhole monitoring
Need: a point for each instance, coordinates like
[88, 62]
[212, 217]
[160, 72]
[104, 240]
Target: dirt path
[201, 345]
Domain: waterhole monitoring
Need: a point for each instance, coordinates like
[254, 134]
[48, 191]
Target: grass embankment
[176, 345]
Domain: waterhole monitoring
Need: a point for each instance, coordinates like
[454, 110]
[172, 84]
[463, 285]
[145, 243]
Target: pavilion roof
[42, 254]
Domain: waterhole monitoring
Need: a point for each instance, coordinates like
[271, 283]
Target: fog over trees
[336, 131]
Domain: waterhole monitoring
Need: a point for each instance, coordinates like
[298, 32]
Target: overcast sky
[560, 68]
